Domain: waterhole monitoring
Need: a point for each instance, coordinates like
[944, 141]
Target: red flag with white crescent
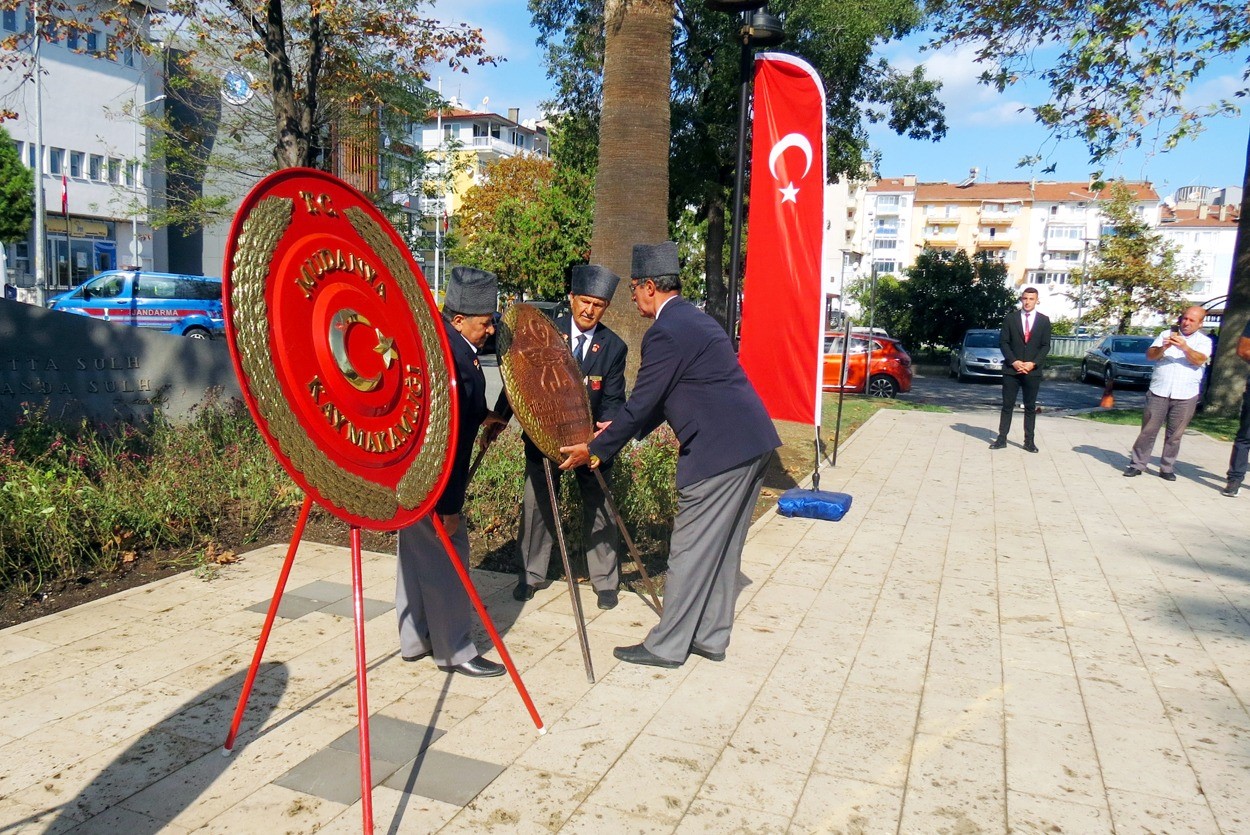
[64, 194]
[783, 298]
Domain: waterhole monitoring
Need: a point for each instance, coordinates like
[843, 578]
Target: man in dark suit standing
[690, 377]
[601, 355]
[435, 613]
[1025, 342]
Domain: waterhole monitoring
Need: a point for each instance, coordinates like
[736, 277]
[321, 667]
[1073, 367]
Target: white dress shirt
[1175, 376]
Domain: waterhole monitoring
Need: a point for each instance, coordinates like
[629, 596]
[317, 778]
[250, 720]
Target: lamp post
[136, 246]
[41, 235]
[758, 29]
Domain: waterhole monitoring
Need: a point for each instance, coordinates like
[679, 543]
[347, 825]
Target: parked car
[977, 355]
[184, 305]
[891, 365]
[1119, 359]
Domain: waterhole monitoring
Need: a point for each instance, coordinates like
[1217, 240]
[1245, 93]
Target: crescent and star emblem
[339, 325]
[789, 192]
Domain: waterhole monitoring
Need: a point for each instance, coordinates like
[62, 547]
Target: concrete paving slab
[987, 642]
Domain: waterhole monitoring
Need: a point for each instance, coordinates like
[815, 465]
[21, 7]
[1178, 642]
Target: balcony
[1065, 244]
[942, 220]
[941, 240]
[998, 218]
[995, 241]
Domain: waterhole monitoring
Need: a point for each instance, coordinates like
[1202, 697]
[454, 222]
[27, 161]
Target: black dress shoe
[1167, 476]
[523, 592]
[418, 656]
[608, 598]
[1131, 471]
[707, 653]
[1230, 489]
[478, 667]
[1030, 447]
[999, 443]
[638, 654]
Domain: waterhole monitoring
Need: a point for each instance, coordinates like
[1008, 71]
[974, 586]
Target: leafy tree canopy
[1117, 72]
[17, 192]
[527, 222]
[948, 292]
[1135, 270]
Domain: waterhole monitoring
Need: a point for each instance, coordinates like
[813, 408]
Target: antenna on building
[485, 101]
[970, 179]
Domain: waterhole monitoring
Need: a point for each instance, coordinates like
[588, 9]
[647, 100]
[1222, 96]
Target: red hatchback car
[891, 365]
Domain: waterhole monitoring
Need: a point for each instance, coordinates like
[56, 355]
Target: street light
[136, 246]
[758, 29]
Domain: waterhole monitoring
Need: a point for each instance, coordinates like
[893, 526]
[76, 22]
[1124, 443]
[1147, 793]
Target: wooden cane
[574, 593]
[629, 542]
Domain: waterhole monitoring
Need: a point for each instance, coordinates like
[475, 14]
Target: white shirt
[575, 332]
[1175, 377]
[661, 307]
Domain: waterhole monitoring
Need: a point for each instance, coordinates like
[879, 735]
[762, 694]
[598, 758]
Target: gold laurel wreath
[261, 233]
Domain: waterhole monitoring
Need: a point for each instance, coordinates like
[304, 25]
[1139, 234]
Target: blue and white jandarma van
[184, 305]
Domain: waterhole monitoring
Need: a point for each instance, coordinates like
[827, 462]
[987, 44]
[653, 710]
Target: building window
[71, 40]
[75, 163]
[132, 170]
[128, 56]
[887, 226]
[885, 243]
[887, 201]
[95, 167]
[115, 171]
[56, 160]
[93, 43]
[30, 154]
[1065, 233]
[884, 268]
[1070, 257]
[10, 20]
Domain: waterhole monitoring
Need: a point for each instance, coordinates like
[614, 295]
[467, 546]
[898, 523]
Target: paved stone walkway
[989, 642]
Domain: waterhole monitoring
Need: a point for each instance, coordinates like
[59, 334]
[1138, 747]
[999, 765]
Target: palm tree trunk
[1228, 375]
[631, 187]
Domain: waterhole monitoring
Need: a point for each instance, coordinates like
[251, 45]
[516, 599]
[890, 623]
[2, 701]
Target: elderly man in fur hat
[690, 377]
[435, 613]
[600, 354]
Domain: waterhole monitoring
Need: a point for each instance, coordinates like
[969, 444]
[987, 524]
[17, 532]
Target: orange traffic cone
[1108, 396]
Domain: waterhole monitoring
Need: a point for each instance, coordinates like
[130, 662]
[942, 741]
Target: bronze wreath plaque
[339, 349]
[543, 381]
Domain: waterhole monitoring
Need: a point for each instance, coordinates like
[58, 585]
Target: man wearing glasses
[690, 377]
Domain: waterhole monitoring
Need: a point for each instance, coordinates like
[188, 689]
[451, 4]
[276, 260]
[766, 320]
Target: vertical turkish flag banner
[783, 296]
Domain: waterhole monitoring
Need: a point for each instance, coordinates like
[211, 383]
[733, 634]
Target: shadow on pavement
[980, 433]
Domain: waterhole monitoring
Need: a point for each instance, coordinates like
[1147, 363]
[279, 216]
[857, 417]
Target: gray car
[977, 355]
[1119, 358]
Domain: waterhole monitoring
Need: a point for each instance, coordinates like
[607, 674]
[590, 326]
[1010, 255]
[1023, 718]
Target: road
[934, 387]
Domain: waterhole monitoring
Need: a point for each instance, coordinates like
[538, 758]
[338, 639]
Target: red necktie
[1027, 326]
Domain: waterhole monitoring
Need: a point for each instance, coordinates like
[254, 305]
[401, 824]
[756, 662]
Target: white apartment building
[1041, 231]
[92, 91]
[1202, 223]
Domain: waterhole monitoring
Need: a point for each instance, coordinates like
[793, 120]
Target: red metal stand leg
[362, 687]
[264, 632]
[487, 622]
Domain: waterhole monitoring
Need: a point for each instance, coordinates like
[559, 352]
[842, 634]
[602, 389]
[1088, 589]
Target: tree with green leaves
[884, 306]
[1135, 268]
[1121, 75]
[949, 292]
[17, 193]
[527, 221]
[836, 36]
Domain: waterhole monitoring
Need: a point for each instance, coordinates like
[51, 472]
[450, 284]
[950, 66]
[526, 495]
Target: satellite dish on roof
[485, 101]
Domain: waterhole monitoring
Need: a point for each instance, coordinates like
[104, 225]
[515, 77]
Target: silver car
[977, 355]
[1119, 359]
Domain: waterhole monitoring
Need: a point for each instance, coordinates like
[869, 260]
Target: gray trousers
[1160, 412]
[536, 536]
[434, 610]
[705, 557]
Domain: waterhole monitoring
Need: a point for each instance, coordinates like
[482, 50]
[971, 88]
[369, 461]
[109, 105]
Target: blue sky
[985, 129]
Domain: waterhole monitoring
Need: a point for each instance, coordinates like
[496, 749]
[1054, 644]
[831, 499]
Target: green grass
[1220, 428]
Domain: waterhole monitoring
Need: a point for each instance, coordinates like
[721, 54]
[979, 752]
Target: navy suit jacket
[690, 377]
[1011, 341]
[471, 395]
[603, 369]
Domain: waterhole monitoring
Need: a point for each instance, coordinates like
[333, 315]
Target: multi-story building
[1041, 231]
[1202, 223]
[95, 91]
